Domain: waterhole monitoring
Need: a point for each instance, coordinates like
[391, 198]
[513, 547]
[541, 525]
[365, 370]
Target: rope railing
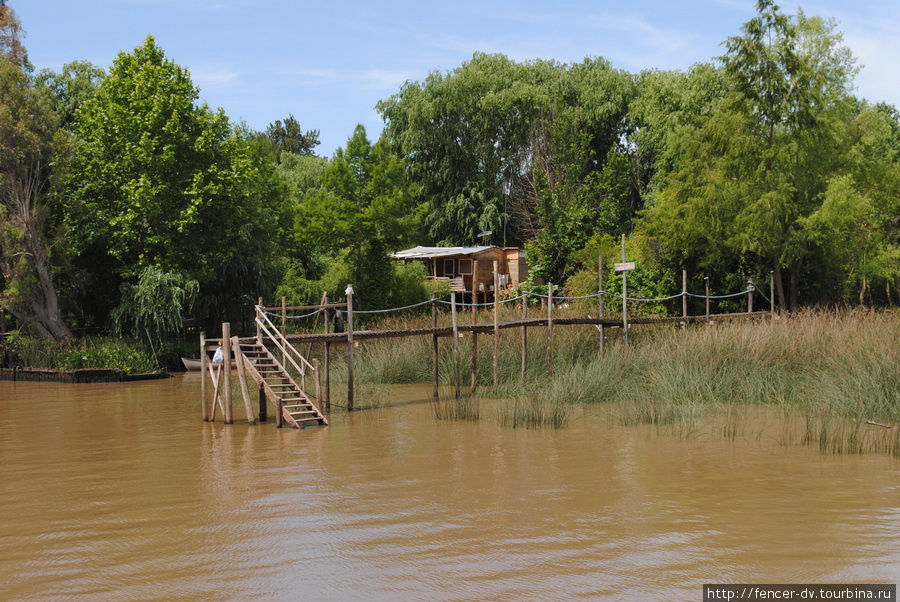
[527, 294]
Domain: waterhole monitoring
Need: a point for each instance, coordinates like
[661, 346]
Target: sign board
[625, 266]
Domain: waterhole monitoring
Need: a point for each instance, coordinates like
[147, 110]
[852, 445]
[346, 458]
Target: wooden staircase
[297, 408]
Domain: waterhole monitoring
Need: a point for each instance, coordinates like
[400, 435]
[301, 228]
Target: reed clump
[462, 408]
[525, 412]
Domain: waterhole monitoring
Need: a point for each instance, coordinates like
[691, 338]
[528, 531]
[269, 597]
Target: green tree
[159, 180]
[27, 152]
[749, 177]
[68, 89]
[289, 137]
[531, 151]
[366, 208]
[464, 135]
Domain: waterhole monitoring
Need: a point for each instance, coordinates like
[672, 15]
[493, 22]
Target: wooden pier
[284, 376]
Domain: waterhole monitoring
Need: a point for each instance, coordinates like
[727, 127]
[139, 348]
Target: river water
[121, 491]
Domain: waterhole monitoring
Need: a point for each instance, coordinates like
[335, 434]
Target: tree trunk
[35, 303]
[794, 284]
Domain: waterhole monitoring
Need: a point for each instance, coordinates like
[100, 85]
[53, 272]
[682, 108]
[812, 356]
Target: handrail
[286, 343]
[301, 370]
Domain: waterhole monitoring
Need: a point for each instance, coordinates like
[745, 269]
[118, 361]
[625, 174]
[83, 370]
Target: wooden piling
[456, 366]
[549, 328]
[315, 363]
[434, 345]
[263, 409]
[226, 369]
[349, 348]
[473, 380]
[600, 296]
[524, 335]
[496, 364]
[327, 357]
[242, 378]
[203, 360]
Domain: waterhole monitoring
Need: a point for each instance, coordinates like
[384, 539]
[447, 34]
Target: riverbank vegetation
[832, 372]
[87, 352]
[760, 160]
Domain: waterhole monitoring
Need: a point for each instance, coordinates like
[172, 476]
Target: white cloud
[206, 77]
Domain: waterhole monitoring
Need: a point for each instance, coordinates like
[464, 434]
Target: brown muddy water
[119, 491]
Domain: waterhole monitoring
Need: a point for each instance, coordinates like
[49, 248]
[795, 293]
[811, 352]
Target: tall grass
[463, 408]
[534, 413]
[839, 368]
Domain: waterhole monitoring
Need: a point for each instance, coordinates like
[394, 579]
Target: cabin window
[448, 268]
[465, 266]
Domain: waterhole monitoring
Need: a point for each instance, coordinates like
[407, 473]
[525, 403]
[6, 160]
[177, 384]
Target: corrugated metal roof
[432, 252]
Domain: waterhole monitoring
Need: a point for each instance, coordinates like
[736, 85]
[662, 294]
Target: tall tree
[68, 89]
[289, 137]
[159, 180]
[752, 173]
[26, 155]
[366, 208]
[464, 135]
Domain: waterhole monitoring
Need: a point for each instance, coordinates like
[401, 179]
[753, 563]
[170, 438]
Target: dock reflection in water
[121, 491]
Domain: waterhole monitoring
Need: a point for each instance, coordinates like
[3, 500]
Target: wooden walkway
[272, 361]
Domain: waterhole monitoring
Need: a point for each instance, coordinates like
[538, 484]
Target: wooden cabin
[470, 269]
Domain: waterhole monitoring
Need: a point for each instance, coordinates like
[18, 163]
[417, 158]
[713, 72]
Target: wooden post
[327, 358]
[226, 368]
[258, 329]
[684, 298]
[315, 364]
[496, 323]
[279, 419]
[772, 294]
[549, 328]
[203, 360]
[434, 345]
[216, 378]
[263, 409]
[600, 296]
[474, 376]
[524, 336]
[624, 298]
[750, 287]
[706, 286]
[456, 369]
[284, 327]
[242, 378]
[349, 292]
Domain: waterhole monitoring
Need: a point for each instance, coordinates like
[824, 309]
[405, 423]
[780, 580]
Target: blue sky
[328, 63]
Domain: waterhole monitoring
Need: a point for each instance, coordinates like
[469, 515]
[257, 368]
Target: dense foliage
[126, 203]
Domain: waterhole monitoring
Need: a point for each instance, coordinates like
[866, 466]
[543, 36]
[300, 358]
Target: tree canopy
[159, 180]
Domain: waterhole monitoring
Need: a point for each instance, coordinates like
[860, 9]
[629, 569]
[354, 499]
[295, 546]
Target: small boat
[192, 364]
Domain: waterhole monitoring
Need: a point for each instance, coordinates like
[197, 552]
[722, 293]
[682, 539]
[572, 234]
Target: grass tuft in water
[464, 408]
[531, 413]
